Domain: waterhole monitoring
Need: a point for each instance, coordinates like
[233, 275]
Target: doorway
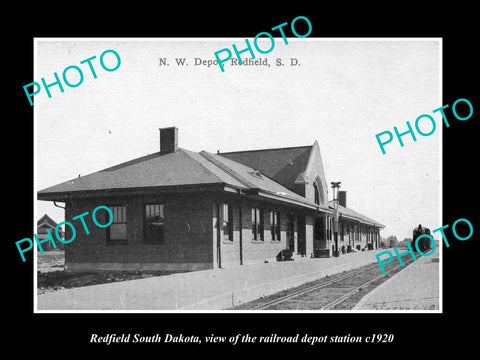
[302, 243]
[291, 232]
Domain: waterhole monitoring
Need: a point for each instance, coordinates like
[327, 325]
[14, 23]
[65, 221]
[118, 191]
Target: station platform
[215, 289]
[414, 288]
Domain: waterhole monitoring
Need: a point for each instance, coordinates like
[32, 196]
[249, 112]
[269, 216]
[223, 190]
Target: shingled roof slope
[355, 215]
[252, 178]
[282, 165]
[182, 167]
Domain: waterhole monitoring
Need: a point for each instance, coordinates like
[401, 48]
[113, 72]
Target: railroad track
[326, 295]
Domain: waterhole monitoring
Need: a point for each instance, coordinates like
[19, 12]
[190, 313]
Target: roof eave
[65, 195]
[363, 221]
[286, 198]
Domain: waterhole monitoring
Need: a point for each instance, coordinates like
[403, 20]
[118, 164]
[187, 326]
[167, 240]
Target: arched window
[317, 193]
[319, 196]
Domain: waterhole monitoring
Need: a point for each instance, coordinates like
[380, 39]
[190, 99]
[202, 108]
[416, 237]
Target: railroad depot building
[181, 210]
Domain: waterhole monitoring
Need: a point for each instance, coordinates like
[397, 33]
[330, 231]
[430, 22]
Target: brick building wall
[191, 234]
[252, 250]
[187, 245]
[192, 240]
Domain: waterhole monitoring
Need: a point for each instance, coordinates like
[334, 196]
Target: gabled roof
[46, 220]
[182, 167]
[282, 165]
[352, 214]
[250, 177]
[269, 174]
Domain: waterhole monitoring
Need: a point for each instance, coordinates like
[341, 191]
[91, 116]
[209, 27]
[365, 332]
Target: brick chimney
[342, 198]
[168, 139]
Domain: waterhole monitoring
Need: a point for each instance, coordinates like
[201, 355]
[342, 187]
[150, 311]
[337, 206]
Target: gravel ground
[52, 276]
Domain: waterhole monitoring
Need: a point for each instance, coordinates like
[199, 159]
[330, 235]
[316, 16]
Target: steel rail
[357, 289]
[305, 291]
[340, 278]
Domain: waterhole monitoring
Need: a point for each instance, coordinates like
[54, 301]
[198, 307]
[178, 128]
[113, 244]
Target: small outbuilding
[44, 223]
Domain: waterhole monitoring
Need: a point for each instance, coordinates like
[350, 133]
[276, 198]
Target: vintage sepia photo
[163, 184]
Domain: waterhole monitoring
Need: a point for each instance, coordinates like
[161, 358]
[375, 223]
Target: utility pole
[335, 185]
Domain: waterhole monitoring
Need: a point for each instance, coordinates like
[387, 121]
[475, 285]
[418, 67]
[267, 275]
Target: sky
[341, 93]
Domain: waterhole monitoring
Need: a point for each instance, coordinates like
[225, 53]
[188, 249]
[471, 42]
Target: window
[317, 193]
[275, 225]
[227, 222]
[154, 223]
[257, 224]
[117, 231]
